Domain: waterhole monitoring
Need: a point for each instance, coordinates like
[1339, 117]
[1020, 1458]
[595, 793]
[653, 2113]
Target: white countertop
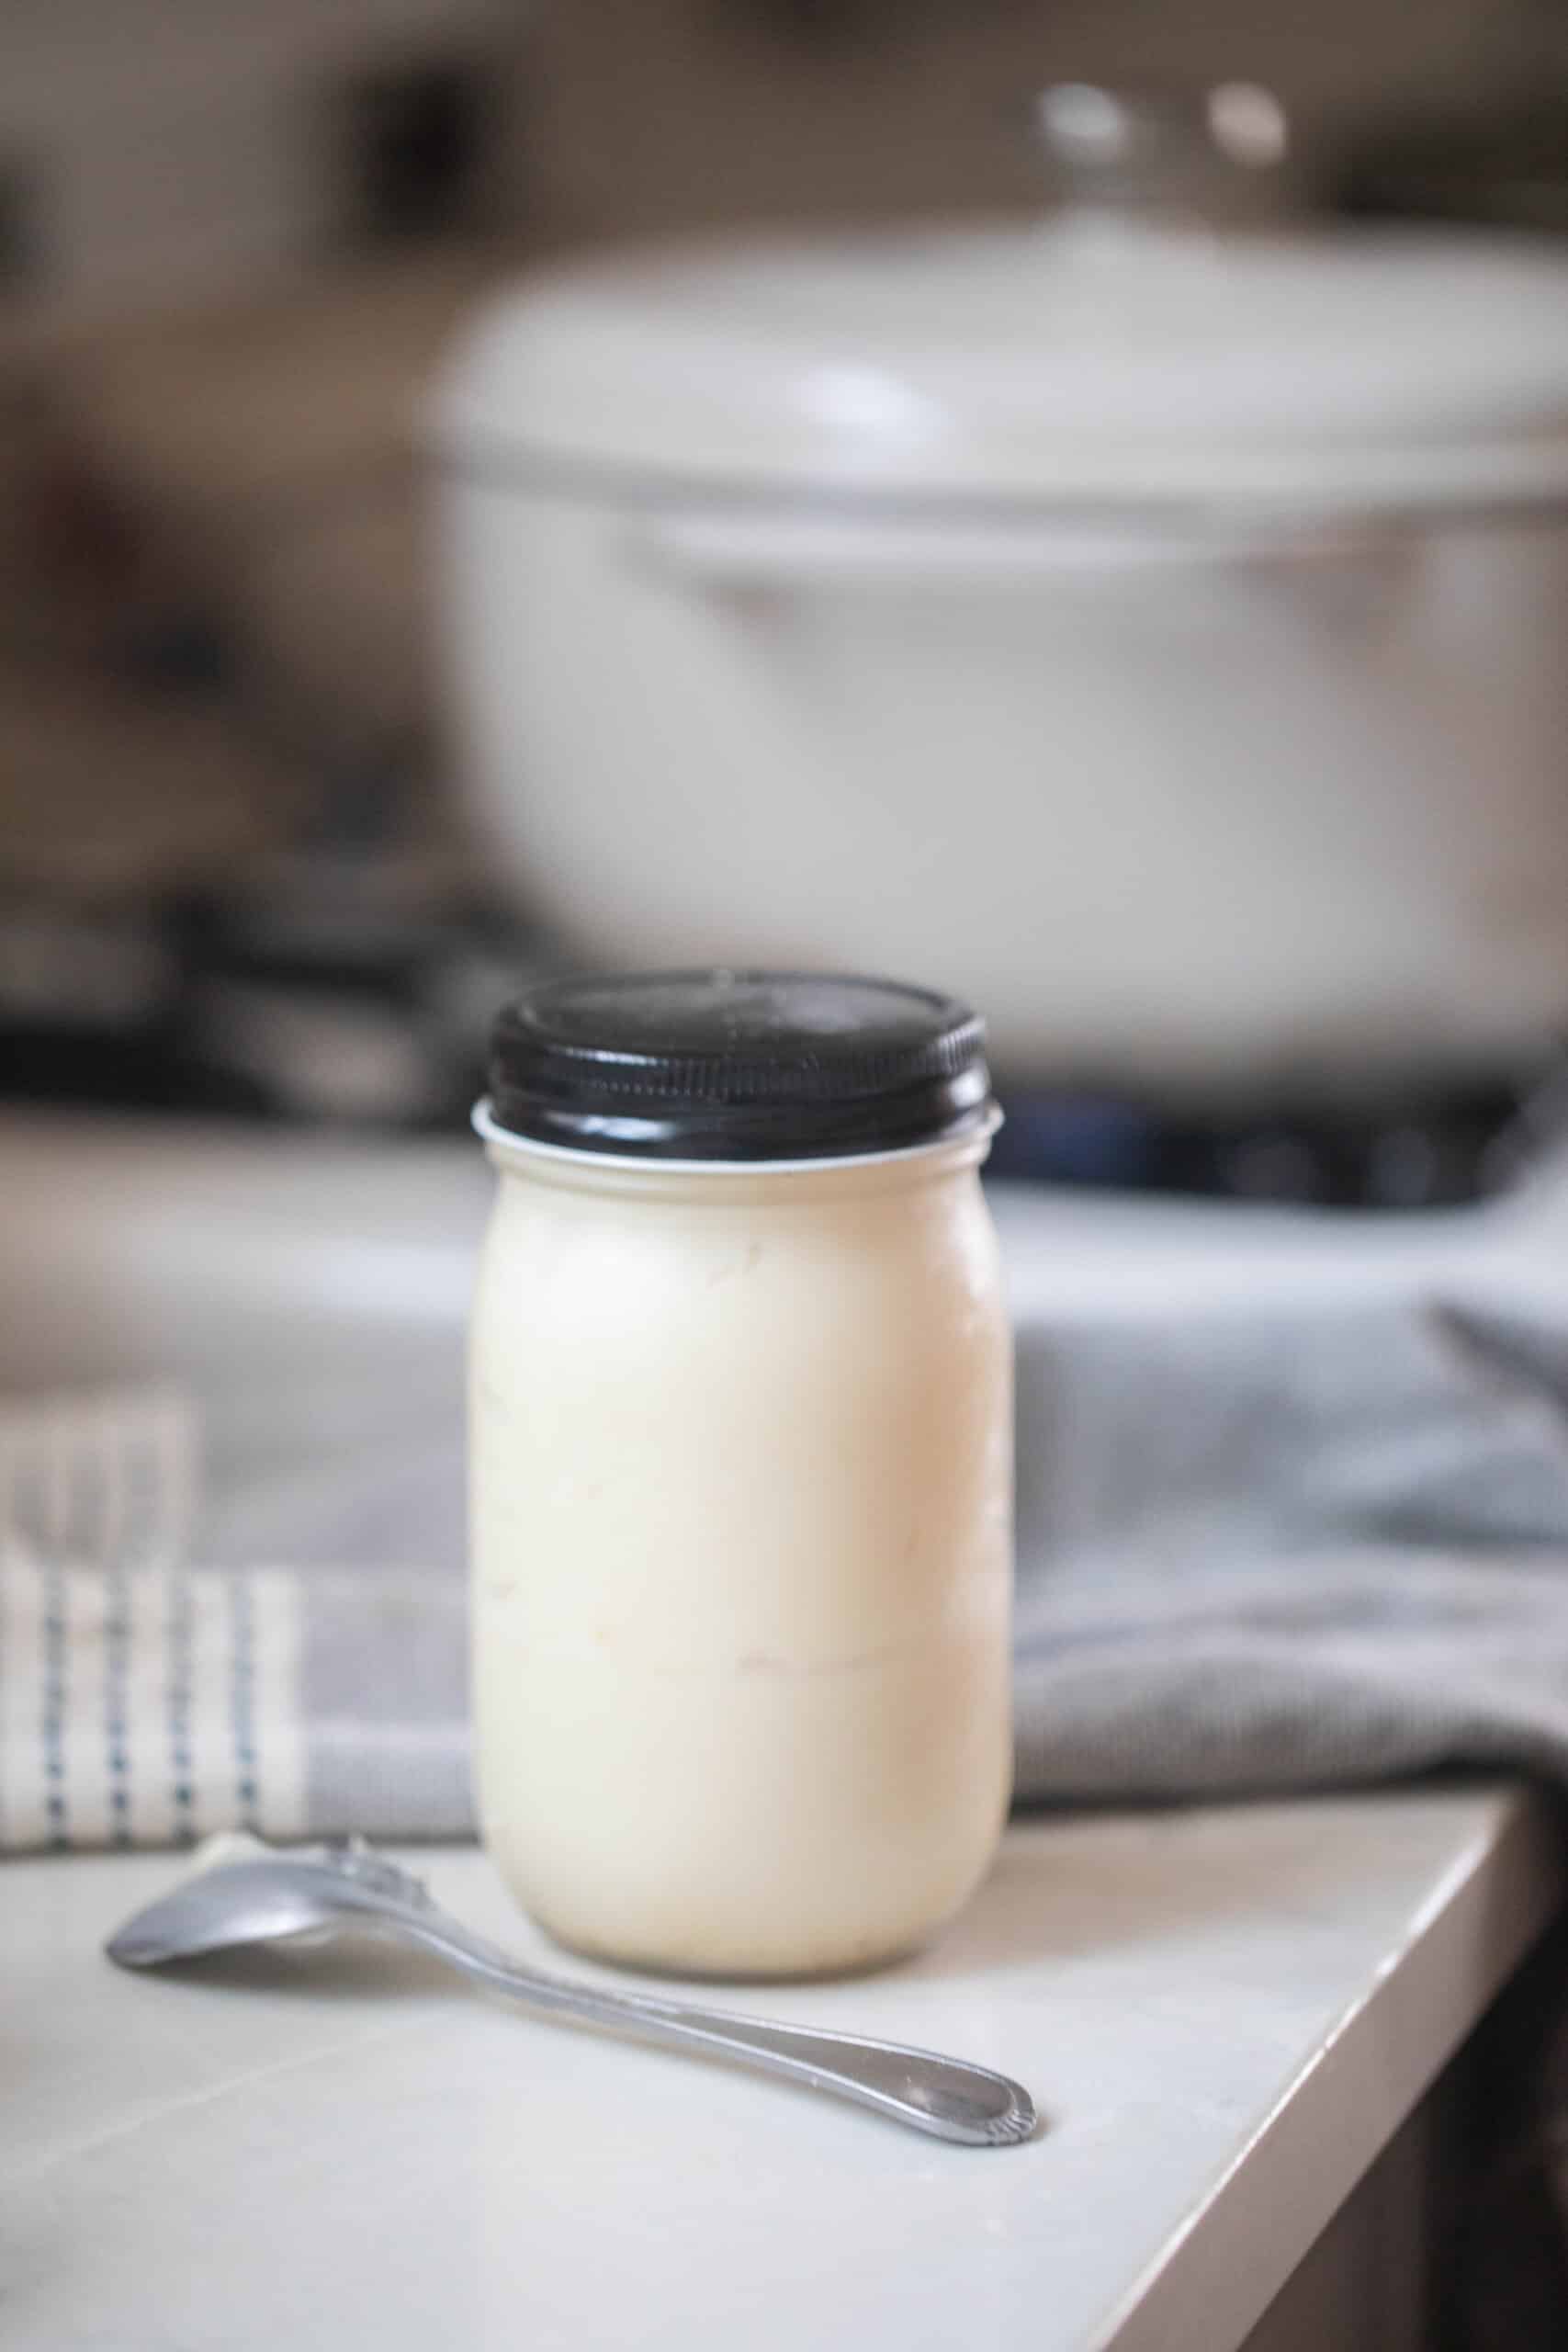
[1223, 2014]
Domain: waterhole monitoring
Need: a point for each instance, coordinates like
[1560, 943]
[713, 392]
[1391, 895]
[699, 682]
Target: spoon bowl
[251, 1903]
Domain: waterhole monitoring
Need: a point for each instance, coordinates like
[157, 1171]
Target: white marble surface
[1223, 2014]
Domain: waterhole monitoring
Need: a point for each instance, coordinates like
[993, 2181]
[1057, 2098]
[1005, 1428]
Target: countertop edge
[1217, 2276]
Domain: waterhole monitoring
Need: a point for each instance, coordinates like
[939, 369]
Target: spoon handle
[948, 2097]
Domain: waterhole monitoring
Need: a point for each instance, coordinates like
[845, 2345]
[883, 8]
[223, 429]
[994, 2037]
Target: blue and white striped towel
[147, 1701]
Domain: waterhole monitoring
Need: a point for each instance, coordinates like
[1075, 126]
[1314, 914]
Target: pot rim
[1524, 488]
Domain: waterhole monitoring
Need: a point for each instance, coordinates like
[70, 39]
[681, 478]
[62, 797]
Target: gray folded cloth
[1283, 1551]
[1321, 1542]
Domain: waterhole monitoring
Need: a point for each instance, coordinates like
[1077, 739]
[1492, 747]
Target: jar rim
[978, 1128]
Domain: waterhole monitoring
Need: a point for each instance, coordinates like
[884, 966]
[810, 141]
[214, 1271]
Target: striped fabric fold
[141, 1702]
[147, 1708]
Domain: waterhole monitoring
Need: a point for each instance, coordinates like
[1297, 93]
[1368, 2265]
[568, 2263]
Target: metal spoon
[333, 1888]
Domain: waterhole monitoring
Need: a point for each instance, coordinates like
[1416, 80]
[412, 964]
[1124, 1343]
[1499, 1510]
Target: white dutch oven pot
[1156, 633]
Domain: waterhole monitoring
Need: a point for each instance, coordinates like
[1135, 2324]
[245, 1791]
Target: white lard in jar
[741, 1470]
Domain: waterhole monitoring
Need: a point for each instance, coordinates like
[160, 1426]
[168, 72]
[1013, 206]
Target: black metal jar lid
[737, 1066]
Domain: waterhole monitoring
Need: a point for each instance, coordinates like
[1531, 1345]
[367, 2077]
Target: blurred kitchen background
[1152, 629]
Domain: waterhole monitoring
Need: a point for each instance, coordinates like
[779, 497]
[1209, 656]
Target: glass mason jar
[740, 1419]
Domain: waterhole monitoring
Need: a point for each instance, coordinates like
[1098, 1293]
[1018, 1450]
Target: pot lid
[1113, 350]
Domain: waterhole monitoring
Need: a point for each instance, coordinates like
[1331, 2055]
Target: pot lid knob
[1182, 155]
